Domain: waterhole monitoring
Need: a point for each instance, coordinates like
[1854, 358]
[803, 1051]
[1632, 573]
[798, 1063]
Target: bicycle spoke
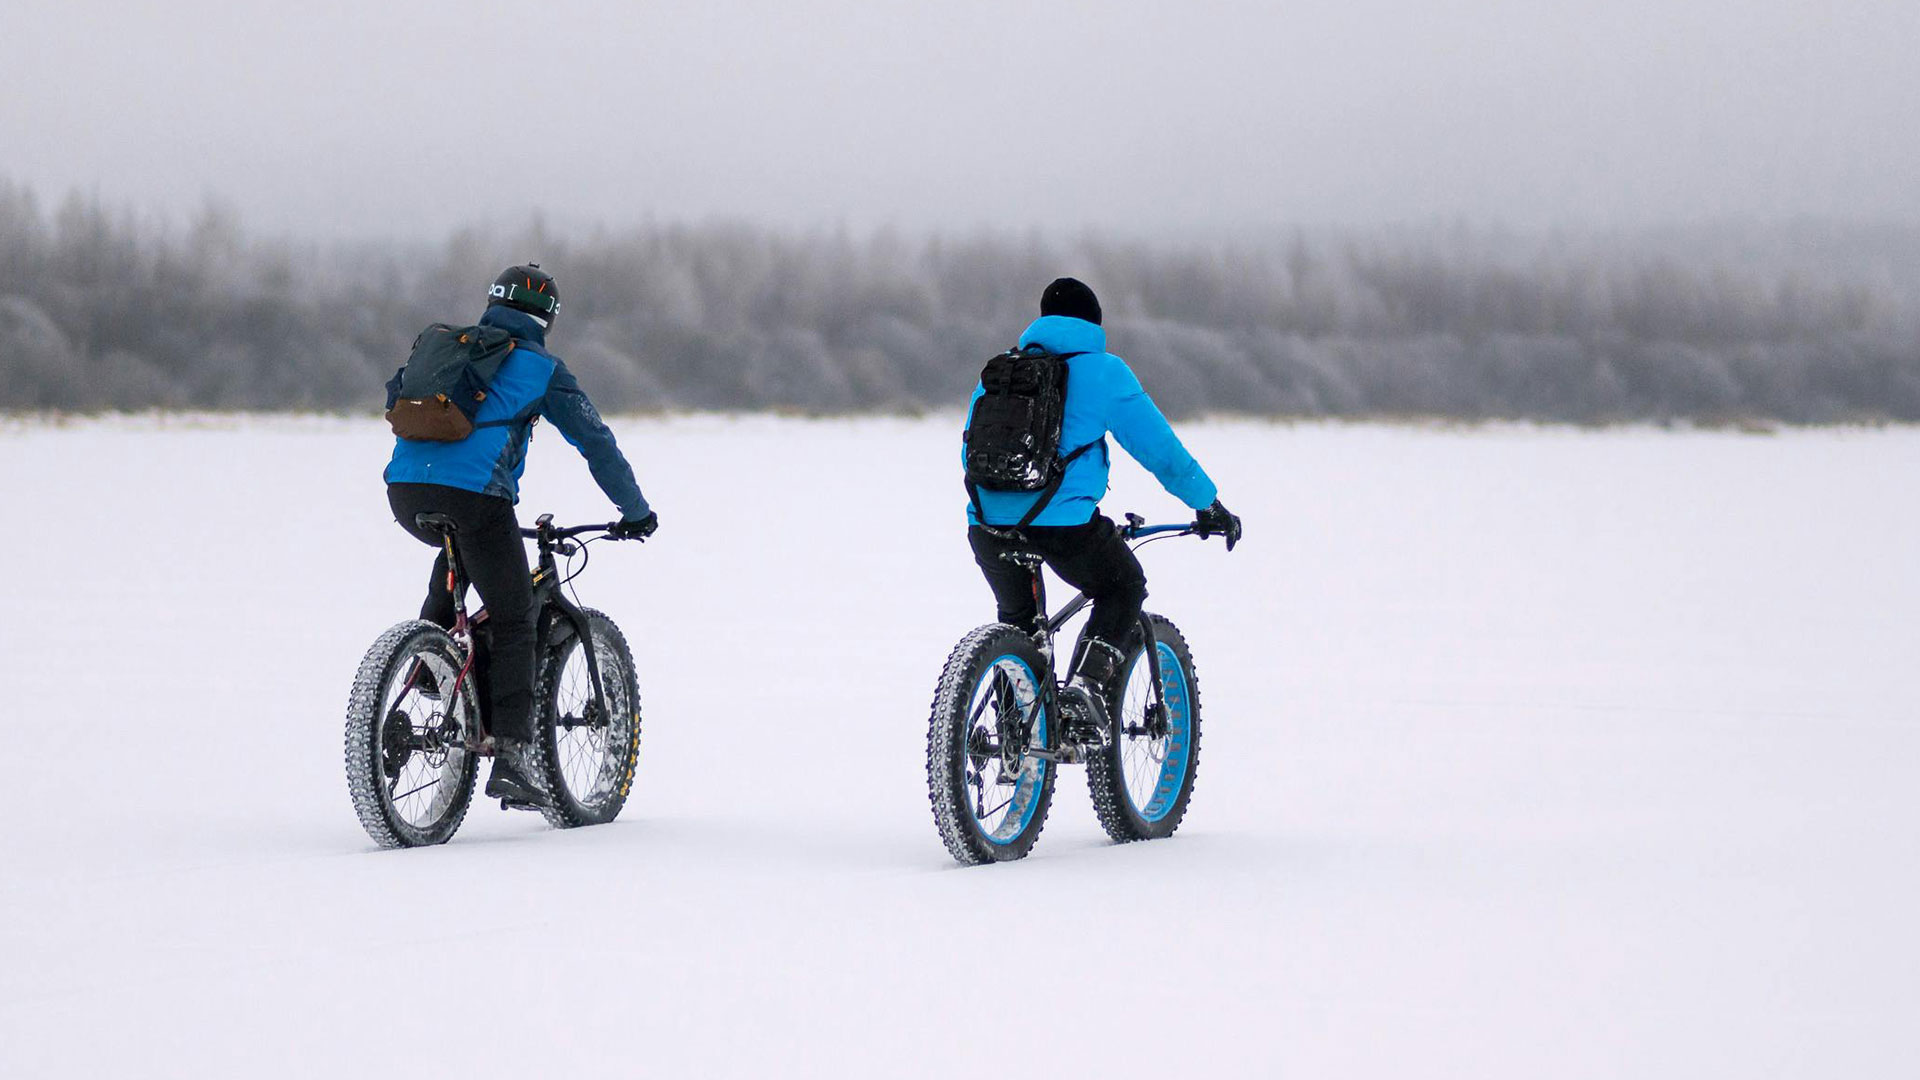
[980, 709]
[584, 752]
[419, 789]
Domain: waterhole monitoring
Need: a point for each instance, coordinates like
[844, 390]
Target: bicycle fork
[583, 630]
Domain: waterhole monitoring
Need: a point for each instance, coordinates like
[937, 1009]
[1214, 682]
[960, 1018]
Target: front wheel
[588, 747]
[1142, 781]
[409, 771]
[989, 799]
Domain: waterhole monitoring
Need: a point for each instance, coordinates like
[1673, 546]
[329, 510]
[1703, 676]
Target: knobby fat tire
[947, 732]
[620, 683]
[366, 778]
[1107, 779]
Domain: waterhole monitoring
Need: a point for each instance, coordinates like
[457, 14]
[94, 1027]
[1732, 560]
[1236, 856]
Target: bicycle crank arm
[1071, 754]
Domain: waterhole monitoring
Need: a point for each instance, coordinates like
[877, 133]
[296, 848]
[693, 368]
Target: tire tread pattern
[557, 812]
[951, 700]
[364, 771]
[1107, 780]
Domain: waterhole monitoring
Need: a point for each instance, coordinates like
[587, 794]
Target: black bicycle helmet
[526, 288]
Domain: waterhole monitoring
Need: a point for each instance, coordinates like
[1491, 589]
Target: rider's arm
[1141, 428]
[979, 391]
[568, 410]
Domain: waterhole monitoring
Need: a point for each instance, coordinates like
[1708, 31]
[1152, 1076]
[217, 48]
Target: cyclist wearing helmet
[475, 482]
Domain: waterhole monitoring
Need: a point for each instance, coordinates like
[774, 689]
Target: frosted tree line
[101, 310]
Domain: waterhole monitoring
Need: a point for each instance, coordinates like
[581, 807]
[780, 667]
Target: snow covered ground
[1527, 753]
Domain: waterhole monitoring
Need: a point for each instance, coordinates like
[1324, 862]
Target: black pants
[1091, 557]
[487, 538]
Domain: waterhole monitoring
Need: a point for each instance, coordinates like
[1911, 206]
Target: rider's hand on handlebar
[1218, 519]
[635, 528]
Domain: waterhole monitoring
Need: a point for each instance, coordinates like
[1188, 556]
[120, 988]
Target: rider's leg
[1095, 559]
[438, 607]
[495, 559]
[408, 501]
[1012, 585]
[487, 536]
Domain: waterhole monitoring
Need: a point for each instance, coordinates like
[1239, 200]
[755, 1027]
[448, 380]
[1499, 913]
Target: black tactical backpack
[1013, 433]
[435, 396]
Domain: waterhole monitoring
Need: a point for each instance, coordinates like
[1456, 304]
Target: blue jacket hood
[1065, 334]
[518, 323]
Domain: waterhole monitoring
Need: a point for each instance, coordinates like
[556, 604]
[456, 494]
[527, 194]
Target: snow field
[1526, 753]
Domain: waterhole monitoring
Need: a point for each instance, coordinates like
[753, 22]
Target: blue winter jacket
[532, 382]
[1103, 395]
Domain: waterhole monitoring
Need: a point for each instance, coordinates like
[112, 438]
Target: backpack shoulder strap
[529, 413]
[1047, 493]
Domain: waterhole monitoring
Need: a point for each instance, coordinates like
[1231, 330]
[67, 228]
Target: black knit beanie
[1070, 297]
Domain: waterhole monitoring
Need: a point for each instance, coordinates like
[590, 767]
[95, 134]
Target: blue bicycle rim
[1026, 793]
[1173, 768]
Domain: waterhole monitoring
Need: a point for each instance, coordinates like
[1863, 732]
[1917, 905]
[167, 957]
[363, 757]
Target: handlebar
[544, 528]
[563, 534]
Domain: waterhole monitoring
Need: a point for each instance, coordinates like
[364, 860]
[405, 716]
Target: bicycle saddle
[439, 523]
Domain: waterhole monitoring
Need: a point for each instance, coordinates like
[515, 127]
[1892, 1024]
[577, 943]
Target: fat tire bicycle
[995, 738]
[416, 722]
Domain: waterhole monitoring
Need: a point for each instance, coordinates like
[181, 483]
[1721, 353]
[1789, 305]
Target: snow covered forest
[104, 310]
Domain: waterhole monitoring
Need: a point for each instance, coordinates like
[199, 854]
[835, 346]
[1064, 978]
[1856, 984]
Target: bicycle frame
[555, 616]
[1136, 529]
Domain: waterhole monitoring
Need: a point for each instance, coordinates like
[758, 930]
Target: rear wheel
[588, 747]
[1141, 783]
[989, 800]
[409, 771]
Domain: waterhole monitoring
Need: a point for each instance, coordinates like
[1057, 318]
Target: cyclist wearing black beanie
[1064, 524]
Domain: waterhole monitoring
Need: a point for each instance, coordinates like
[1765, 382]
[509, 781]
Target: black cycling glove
[1218, 519]
[635, 528]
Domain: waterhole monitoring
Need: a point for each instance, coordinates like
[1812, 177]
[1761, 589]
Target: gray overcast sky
[407, 118]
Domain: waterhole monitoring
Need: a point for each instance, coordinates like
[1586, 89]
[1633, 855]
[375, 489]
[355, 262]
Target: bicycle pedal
[518, 804]
[1083, 740]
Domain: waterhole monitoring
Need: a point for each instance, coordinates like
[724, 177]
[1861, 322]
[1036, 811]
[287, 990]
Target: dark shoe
[1083, 716]
[1099, 668]
[1084, 701]
[516, 780]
